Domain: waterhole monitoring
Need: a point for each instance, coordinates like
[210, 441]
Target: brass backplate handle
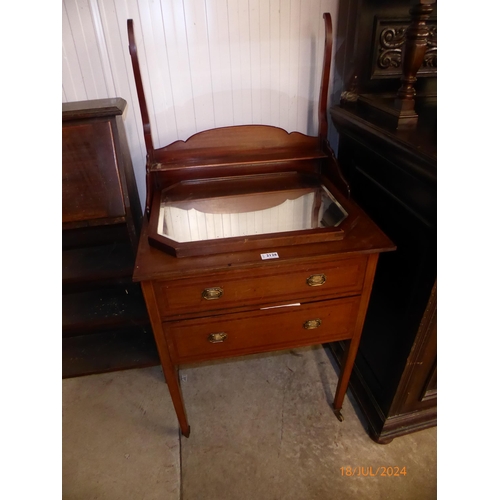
[316, 280]
[215, 338]
[212, 293]
[312, 323]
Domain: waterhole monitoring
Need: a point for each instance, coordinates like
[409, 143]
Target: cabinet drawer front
[261, 330]
[267, 286]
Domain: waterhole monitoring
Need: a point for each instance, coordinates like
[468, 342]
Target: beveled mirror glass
[203, 215]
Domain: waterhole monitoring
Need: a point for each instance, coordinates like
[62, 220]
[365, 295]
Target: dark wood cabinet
[392, 173]
[105, 325]
[393, 177]
[370, 59]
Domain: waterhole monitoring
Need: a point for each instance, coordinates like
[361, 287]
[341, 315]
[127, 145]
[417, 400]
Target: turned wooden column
[413, 54]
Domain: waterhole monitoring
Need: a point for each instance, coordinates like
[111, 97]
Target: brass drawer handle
[312, 323]
[316, 280]
[212, 293]
[215, 338]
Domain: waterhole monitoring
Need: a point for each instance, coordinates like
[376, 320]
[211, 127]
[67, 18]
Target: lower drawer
[261, 330]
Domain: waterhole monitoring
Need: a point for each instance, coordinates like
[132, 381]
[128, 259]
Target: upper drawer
[266, 286]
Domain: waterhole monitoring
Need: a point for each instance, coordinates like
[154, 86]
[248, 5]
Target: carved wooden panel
[388, 45]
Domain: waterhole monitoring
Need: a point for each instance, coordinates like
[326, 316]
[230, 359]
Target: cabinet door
[91, 183]
[420, 375]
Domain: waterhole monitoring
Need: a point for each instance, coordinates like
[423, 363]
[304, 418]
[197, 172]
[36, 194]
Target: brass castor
[339, 415]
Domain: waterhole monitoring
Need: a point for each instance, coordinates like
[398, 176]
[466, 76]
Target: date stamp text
[373, 471]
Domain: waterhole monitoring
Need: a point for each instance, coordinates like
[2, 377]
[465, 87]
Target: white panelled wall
[204, 63]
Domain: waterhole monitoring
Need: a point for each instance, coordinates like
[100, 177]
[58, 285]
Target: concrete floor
[261, 428]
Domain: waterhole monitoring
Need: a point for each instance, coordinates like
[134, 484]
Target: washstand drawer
[261, 330]
[256, 287]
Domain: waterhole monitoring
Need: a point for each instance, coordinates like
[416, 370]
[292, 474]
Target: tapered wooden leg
[342, 385]
[169, 369]
[345, 374]
[351, 350]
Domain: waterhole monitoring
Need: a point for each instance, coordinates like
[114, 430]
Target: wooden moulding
[242, 243]
[239, 144]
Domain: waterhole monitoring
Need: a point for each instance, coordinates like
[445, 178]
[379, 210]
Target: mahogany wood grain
[146, 125]
[194, 190]
[92, 187]
[236, 141]
[251, 285]
[234, 151]
[261, 330]
[350, 356]
[265, 286]
[230, 167]
[169, 370]
[140, 89]
[325, 79]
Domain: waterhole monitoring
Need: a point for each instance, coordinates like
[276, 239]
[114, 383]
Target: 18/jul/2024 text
[373, 471]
